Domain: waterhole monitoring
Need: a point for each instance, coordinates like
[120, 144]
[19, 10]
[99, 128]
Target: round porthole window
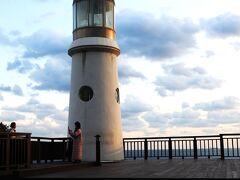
[85, 93]
[117, 95]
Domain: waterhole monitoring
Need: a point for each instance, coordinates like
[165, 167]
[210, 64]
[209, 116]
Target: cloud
[38, 118]
[236, 45]
[126, 72]
[9, 116]
[140, 34]
[1, 97]
[4, 39]
[228, 103]
[22, 67]
[40, 110]
[156, 120]
[15, 89]
[45, 43]
[180, 78]
[55, 75]
[134, 124]
[222, 26]
[134, 107]
[190, 119]
[5, 88]
[223, 117]
[185, 118]
[209, 54]
[132, 110]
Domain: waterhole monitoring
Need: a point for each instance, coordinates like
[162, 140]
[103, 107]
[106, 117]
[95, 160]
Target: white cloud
[180, 78]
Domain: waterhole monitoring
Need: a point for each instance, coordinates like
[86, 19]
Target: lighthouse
[95, 95]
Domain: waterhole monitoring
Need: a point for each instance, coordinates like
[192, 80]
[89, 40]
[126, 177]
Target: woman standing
[77, 142]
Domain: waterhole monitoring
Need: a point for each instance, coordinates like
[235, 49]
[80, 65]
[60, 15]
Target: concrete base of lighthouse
[101, 115]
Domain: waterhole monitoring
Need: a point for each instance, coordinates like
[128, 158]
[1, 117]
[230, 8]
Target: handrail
[222, 145]
[47, 138]
[174, 137]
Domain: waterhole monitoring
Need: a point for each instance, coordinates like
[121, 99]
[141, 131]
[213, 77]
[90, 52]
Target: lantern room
[93, 18]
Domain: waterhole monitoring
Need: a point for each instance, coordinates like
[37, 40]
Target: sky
[178, 69]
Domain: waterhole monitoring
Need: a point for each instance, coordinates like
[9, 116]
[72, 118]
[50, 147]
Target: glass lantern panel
[74, 16]
[109, 14]
[82, 13]
[98, 13]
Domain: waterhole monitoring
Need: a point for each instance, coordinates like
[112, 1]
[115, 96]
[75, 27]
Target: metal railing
[215, 146]
[15, 150]
[21, 150]
[46, 150]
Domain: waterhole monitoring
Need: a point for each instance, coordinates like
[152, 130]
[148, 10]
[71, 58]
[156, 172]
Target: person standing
[77, 142]
[12, 127]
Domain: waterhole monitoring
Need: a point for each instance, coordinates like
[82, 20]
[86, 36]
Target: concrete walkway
[163, 168]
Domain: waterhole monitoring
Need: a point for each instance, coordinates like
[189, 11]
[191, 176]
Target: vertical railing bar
[138, 149]
[212, 147]
[200, 143]
[216, 143]
[208, 148]
[145, 149]
[127, 151]
[124, 148]
[155, 149]
[190, 148]
[222, 147]
[170, 148]
[165, 150]
[178, 148]
[134, 149]
[130, 149]
[182, 148]
[228, 146]
[237, 148]
[161, 149]
[204, 143]
[175, 147]
[233, 148]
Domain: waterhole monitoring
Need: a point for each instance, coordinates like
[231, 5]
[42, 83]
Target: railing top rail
[172, 137]
[16, 133]
[232, 134]
[181, 137]
[46, 138]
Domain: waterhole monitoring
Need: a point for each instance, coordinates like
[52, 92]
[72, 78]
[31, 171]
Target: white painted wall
[102, 114]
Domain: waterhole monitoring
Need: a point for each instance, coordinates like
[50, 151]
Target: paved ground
[175, 168]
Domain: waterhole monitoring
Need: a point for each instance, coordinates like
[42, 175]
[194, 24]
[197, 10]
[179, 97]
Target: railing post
[124, 148]
[195, 148]
[145, 149]
[64, 150]
[29, 151]
[170, 148]
[98, 150]
[38, 150]
[8, 152]
[222, 146]
[52, 151]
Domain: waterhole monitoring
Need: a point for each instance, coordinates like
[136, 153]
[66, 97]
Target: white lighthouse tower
[94, 96]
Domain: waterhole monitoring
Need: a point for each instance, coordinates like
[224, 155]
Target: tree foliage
[3, 127]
